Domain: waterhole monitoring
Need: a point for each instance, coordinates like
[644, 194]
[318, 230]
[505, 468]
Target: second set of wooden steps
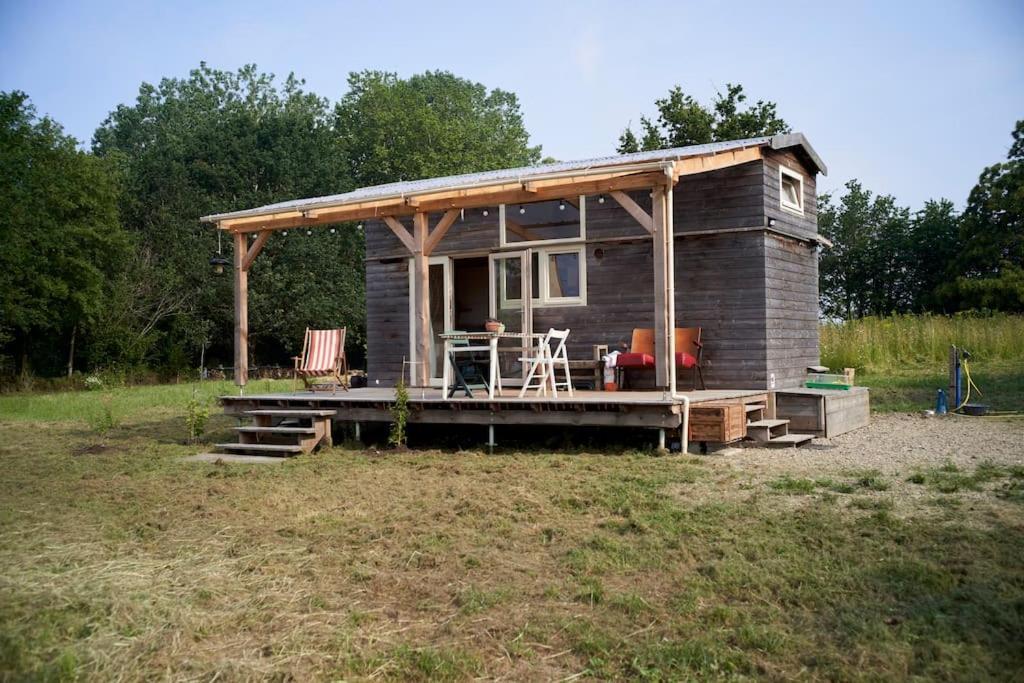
[282, 432]
[734, 421]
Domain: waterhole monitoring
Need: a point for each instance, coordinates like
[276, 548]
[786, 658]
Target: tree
[219, 141]
[60, 234]
[931, 254]
[431, 124]
[682, 121]
[865, 272]
[991, 262]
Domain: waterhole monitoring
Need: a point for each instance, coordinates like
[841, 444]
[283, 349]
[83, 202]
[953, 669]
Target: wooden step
[275, 430]
[766, 430]
[767, 423]
[788, 441]
[752, 407]
[281, 449]
[286, 412]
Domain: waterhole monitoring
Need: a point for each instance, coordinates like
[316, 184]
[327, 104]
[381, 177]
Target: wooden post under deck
[241, 312]
[421, 284]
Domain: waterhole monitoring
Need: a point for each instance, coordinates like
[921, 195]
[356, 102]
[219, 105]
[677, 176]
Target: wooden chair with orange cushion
[689, 352]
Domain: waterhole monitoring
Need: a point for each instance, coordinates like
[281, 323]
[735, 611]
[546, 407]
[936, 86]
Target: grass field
[120, 561]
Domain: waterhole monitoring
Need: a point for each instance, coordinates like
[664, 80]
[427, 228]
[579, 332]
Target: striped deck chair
[323, 356]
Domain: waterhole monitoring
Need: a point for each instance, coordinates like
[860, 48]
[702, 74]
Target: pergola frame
[659, 177]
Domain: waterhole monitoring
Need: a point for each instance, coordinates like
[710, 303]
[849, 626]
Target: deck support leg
[241, 312]
[490, 438]
[358, 432]
[661, 439]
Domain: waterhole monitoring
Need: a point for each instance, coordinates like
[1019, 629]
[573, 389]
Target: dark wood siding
[387, 318]
[723, 199]
[791, 289]
[805, 225]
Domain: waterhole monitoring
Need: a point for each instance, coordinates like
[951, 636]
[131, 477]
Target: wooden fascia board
[713, 162]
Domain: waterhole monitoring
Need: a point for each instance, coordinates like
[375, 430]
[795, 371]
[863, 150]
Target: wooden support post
[421, 283]
[241, 312]
[663, 333]
[670, 286]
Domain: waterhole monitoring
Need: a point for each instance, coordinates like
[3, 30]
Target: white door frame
[526, 291]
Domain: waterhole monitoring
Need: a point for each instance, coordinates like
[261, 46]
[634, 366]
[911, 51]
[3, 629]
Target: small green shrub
[103, 419]
[399, 415]
[197, 414]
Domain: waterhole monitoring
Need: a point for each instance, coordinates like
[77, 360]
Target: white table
[492, 347]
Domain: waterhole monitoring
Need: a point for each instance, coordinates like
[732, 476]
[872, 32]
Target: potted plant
[494, 325]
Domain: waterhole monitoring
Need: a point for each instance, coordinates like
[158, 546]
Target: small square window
[791, 190]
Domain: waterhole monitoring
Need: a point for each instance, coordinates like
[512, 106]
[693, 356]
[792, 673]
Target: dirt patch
[92, 449]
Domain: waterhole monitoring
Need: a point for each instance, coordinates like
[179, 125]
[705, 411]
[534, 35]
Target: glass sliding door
[511, 291]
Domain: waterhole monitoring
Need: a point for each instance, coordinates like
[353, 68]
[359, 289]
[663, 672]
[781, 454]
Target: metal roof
[524, 174]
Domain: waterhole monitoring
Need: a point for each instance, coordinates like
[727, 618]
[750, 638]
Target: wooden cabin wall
[791, 301]
[387, 318]
[725, 199]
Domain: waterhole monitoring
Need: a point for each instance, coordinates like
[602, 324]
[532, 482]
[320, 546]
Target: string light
[600, 199]
[561, 205]
[285, 233]
[522, 209]
[309, 232]
[332, 231]
[485, 212]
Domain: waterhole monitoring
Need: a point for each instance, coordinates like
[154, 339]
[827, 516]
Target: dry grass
[125, 563]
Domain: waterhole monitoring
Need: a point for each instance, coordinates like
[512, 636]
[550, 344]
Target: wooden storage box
[718, 421]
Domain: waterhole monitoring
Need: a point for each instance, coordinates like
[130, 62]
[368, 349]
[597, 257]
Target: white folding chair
[544, 363]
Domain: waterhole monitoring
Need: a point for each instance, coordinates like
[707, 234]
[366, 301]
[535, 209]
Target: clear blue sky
[912, 98]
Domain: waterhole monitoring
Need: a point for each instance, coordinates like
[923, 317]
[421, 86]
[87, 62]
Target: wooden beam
[439, 231]
[421, 283]
[241, 313]
[400, 232]
[517, 229]
[255, 250]
[634, 210]
[377, 210]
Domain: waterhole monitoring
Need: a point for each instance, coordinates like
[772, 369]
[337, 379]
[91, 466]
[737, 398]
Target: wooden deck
[652, 409]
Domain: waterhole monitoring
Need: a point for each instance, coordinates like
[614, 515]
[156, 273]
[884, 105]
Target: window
[556, 220]
[791, 190]
[558, 278]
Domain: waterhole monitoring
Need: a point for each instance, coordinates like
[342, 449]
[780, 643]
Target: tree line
[885, 258]
[104, 262]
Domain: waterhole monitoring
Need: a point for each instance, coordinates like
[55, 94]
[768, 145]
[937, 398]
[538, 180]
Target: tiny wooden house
[721, 236]
[745, 266]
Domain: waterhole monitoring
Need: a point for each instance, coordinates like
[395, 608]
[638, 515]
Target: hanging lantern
[218, 263]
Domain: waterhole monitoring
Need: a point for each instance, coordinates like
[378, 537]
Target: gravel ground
[896, 444]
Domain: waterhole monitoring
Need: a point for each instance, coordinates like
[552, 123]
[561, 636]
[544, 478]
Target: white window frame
[542, 298]
[503, 242]
[786, 205]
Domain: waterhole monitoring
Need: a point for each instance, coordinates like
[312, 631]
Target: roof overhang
[621, 173]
